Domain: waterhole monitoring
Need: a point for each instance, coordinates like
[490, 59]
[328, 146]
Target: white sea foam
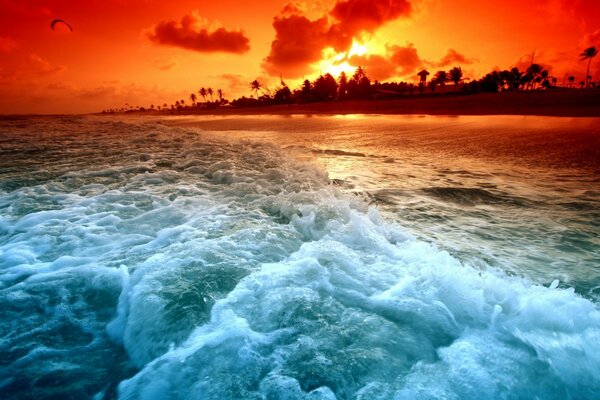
[357, 314]
[228, 269]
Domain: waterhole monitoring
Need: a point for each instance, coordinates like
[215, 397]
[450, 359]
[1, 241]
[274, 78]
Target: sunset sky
[146, 52]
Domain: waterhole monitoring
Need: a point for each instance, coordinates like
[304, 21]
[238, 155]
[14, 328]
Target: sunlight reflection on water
[520, 192]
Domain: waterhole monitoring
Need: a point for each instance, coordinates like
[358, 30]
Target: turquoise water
[357, 257]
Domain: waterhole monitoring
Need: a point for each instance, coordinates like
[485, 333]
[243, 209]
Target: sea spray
[144, 261]
[353, 314]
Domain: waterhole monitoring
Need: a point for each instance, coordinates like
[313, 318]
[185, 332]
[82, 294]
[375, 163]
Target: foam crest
[184, 265]
[358, 312]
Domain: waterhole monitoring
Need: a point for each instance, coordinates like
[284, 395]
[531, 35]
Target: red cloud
[376, 67]
[300, 41]
[453, 57]
[355, 16]
[192, 34]
[405, 59]
[400, 61]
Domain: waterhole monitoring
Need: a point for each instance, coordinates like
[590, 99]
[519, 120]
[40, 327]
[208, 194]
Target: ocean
[299, 257]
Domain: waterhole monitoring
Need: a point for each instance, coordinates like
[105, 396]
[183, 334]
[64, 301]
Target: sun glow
[335, 63]
[358, 49]
[337, 69]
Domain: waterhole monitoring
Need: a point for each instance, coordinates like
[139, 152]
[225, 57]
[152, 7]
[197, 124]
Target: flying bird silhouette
[61, 21]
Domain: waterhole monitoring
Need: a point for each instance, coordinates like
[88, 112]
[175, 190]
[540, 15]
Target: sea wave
[192, 266]
[474, 196]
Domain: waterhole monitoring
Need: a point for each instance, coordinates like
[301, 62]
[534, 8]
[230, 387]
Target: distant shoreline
[560, 103]
[556, 102]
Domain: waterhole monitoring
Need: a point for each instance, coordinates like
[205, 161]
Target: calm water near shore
[301, 257]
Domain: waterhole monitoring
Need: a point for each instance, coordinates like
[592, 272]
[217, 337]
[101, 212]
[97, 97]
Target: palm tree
[441, 77]
[202, 92]
[359, 73]
[432, 84]
[533, 72]
[571, 80]
[515, 78]
[588, 54]
[255, 86]
[456, 75]
[210, 93]
[193, 98]
[220, 95]
[342, 85]
[544, 77]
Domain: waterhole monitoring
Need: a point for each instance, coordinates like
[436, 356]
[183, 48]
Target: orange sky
[145, 52]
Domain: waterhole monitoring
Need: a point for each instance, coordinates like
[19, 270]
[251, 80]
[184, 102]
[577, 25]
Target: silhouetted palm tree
[545, 78]
[441, 77]
[220, 95]
[193, 98]
[342, 86]
[210, 93]
[359, 73]
[432, 84]
[588, 54]
[456, 75]
[202, 92]
[532, 74]
[359, 86]
[515, 79]
[571, 80]
[306, 91]
[325, 87]
[255, 86]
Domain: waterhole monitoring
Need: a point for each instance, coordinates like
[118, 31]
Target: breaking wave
[168, 263]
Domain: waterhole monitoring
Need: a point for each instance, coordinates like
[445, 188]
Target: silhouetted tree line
[323, 88]
[360, 87]
[210, 99]
[534, 78]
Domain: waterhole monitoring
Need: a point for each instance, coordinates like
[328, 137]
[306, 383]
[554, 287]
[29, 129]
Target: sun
[335, 63]
[337, 69]
[358, 49]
